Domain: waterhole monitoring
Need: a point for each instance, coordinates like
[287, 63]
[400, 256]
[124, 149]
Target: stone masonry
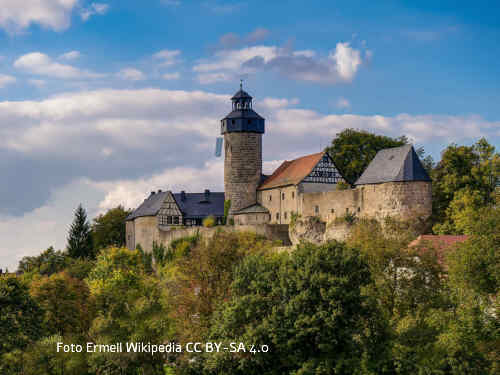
[242, 168]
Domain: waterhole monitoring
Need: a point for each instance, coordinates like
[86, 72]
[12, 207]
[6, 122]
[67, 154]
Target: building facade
[394, 184]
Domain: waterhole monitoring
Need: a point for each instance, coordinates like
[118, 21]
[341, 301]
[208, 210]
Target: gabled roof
[292, 172]
[395, 164]
[193, 206]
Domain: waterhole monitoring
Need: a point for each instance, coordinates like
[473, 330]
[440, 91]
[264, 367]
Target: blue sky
[104, 101]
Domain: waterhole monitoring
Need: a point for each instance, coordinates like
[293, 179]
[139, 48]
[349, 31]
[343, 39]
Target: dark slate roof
[395, 164]
[253, 209]
[150, 206]
[244, 113]
[194, 206]
[241, 94]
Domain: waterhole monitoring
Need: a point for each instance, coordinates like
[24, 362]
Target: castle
[394, 184]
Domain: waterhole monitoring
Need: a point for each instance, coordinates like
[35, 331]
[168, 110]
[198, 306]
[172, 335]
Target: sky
[103, 102]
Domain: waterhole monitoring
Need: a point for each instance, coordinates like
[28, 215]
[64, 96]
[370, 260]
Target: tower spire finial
[241, 84]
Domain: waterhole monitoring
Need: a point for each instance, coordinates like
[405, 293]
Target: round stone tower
[242, 130]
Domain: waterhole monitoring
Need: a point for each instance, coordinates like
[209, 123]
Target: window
[293, 194]
[232, 122]
[359, 209]
[270, 197]
[176, 220]
[316, 209]
[277, 215]
[283, 196]
[333, 211]
[285, 215]
[169, 220]
[347, 210]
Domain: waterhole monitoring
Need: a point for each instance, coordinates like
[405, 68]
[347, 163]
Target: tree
[204, 272]
[352, 151]
[19, 317]
[109, 229]
[67, 309]
[131, 306]
[307, 308]
[47, 263]
[474, 168]
[79, 238]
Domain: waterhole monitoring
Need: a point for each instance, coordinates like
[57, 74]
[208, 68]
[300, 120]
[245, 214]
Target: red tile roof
[441, 243]
[292, 172]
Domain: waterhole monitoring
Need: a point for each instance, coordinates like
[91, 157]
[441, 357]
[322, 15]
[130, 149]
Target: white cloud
[94, 9]
[347, 60]
[131, 74]
[6, 80]
[37, 82]
[129, 142]
[131, 193]
[16, 15]
[341, 65]
[167, 57]
[35, 231]
[208, 78]
[71, 55]
[233, 60]
[41, 64]
[343, 103]
[171, 76]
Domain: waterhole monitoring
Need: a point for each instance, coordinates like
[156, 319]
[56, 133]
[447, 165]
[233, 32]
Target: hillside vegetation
[369, 305]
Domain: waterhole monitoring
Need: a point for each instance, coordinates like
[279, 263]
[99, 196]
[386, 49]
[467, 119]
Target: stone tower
[242, 130]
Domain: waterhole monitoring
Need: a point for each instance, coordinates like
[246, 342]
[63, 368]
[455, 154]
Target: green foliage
[349, 218]
[307, 307]
[47, 263]
[293, 219]
[131, 306]
[67, 309]
[19, 317]
[79, 237]
[159, 253]
[209, 222]
[227, 207]
[203, 279]
[352, 151]
[464, 171]
[341, 185]
[109, 229]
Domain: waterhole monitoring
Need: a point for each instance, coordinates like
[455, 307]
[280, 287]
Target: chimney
[207, 194]
[183, 195]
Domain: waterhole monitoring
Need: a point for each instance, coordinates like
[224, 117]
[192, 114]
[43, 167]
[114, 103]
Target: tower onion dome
[242, 118]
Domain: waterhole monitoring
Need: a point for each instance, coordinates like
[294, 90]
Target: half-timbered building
[280, 193]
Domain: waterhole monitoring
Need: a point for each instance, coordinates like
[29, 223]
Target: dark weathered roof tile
[397, 164]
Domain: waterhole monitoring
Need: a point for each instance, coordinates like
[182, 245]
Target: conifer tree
[79, 238]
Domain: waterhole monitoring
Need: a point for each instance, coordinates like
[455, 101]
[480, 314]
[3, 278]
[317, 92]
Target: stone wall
[251, 218]
[130, 234]
[147, 231]
[242, 168]
[400, 200]
[280, 202]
